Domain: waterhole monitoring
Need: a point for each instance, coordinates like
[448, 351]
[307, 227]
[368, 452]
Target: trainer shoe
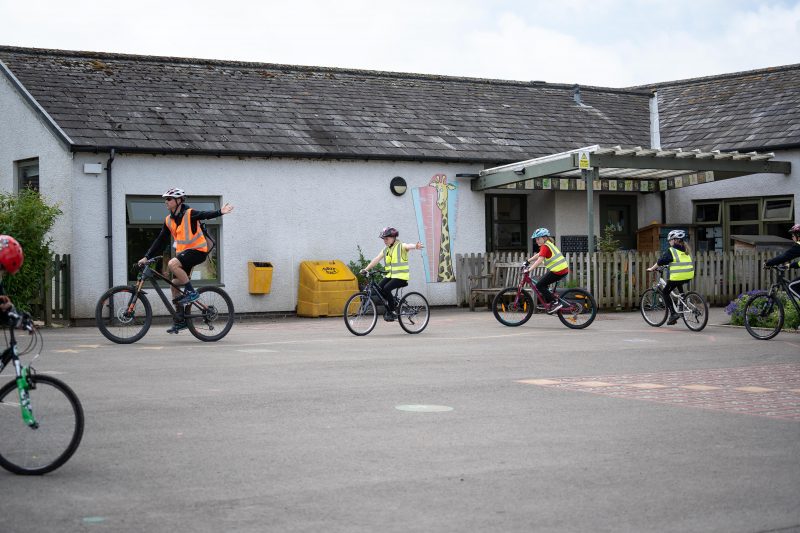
[189, 297]
[673, 319]
[176, 327]
[555, 306]
[389, 316]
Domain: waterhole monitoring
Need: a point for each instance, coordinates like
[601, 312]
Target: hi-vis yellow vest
[396, 259]
[682, 267]
[182, 233]
[556, 262]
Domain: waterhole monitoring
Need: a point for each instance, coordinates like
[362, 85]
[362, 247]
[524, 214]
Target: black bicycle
[124, 314]
[763, 311]
[361, 309]
[41, 418]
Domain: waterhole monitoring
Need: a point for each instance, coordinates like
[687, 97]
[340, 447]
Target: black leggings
[544, 283]
[668, 289]
[387, 286]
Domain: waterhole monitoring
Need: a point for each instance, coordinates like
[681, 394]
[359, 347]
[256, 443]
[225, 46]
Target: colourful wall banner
[435, 207]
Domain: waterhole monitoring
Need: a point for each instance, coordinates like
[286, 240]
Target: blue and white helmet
[676, 234]
[541, 232]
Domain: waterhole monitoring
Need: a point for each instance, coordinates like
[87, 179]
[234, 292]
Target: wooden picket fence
[618, 279]
[55, 298]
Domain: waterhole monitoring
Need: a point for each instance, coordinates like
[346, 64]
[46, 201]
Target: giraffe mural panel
[435, 206]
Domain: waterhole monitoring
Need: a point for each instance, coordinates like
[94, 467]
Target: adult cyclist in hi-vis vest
[680, 268]
[555, 263]
[395, 255]
[191, 246]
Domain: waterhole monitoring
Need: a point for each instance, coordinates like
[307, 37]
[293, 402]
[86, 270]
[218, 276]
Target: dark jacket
[791, 253]
[163, 238]
[666, 257]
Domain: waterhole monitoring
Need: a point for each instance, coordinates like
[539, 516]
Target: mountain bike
[763, 311]
[692, 307]
[124, 314]
[513, 306]
[361, 309]
[41, 418]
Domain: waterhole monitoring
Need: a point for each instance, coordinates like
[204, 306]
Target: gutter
[38, 109]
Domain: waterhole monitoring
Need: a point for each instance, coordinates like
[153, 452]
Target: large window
[506, 220]
[27, 174]
[718, 220]
[145, 217]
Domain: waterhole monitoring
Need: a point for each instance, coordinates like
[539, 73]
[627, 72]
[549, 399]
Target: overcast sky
[599, 42]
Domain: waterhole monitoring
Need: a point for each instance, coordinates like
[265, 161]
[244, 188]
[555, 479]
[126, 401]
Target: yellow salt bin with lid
[324, 287]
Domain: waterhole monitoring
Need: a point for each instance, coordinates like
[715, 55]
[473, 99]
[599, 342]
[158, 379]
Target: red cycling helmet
[389, 232]
[11, 256]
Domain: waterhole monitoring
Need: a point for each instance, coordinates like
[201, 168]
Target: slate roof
[754, 110]
[174, 105]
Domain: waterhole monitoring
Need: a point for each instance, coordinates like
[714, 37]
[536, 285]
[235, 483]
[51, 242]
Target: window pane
[742, 212]
[778, 209]
[709, 238]
[146, 212]
[707, 213]
[508, 235]
[28, 173]
[779, 229]
[508, 208]
[744, 229]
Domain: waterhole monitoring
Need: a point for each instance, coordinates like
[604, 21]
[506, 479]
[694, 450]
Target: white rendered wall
[285, 211]
[23, 135]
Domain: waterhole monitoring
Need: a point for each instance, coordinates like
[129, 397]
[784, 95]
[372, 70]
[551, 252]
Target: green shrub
[27, 218]
[608, 242]
[358, 265]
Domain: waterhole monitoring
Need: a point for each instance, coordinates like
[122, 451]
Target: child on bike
[555, 263]
[791, 254]
[11, 258]
[395, 255]
[679, 269]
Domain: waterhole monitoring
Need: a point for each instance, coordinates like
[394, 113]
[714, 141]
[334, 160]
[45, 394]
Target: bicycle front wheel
[512, 307]
[580, 311]
[360, 314]
[210, 317]
[41, 449]
[695, 311]
[413, 313]
[123, 315]
[763, 316]
[653, 307]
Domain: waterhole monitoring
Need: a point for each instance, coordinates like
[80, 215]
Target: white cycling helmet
[174, 192]
[676, 234]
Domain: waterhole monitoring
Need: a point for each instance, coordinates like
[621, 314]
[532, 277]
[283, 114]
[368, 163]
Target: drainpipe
[108, 220]
[655, 142]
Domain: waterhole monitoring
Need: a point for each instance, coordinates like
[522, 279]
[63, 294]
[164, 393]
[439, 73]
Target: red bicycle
[513, 306]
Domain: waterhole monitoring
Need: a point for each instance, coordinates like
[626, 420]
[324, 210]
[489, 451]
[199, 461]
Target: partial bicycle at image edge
[41, 418]
[764, 314]
[124, 315]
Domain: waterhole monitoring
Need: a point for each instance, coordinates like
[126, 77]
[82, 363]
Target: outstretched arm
[418, 246]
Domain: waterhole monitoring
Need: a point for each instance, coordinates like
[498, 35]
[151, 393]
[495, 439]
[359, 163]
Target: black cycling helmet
[389, 232]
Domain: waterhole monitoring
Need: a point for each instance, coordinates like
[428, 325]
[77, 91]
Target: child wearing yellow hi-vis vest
[680, 269]
[555, 263]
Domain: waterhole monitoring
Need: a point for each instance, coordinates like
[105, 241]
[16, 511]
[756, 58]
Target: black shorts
[190, 259]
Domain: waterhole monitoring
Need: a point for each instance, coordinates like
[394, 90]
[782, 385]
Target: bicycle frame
[372, 288]
[148, 274]
[783, 284]
[531, 282]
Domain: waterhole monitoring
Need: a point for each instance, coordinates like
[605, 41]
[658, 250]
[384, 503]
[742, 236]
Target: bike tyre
[651, 312]
[696, 300]
[363, 308]
[101, 307]
[524, 313]
[12, 460]
[588, 306]
[194, 307]
[753, 307]
[408, 325]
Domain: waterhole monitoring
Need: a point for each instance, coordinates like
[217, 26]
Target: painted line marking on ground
[421, 408]
[87, 345]
[258, 350]
[68, 350]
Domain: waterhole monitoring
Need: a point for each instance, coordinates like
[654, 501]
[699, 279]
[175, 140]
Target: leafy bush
[358, 265]
[736, 310]
[608, 242]
[28, 218]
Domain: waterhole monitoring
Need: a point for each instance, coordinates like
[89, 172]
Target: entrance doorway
[621, 212]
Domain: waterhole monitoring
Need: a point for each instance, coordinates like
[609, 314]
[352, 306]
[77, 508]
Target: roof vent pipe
[576, 94]
[655, 127]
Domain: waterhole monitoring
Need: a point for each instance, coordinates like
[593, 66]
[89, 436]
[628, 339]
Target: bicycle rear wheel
[360, 314]
[512, 307]
[210, 317]
[122, 315]
[763, 316]
[653, 307]
[413, 313]
[59, 416]
[580, 311]
[695, 312]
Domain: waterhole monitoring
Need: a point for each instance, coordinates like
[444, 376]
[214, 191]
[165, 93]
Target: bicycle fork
[23, 386]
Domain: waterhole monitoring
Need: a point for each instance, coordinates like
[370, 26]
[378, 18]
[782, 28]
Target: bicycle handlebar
[22, 319]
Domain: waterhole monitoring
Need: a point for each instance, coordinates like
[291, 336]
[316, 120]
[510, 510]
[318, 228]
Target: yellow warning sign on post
[583, 161]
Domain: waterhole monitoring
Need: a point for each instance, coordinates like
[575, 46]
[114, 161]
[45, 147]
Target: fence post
[66, 301]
